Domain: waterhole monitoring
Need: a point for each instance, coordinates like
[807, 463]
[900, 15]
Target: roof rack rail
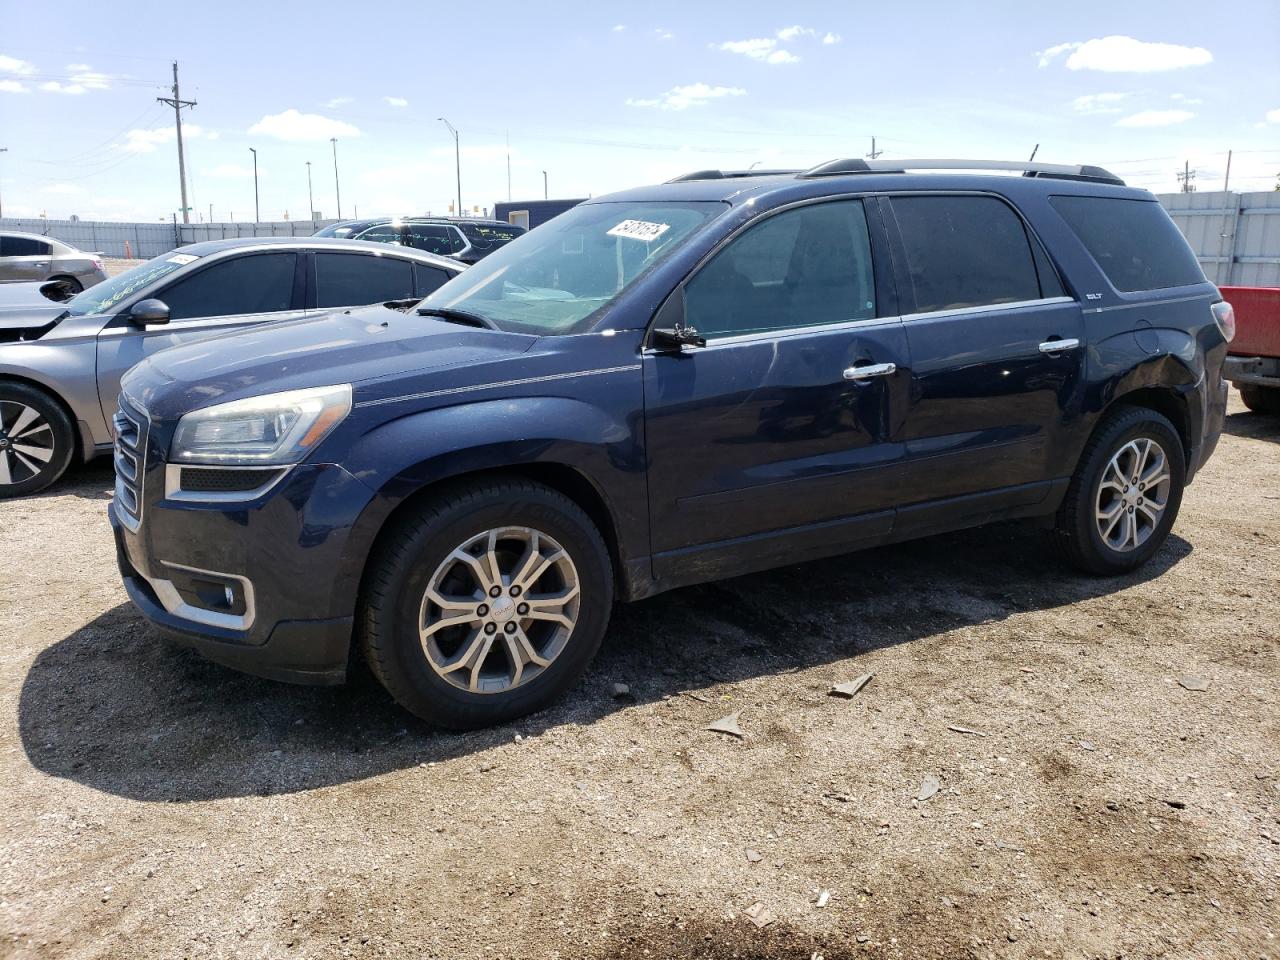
[1057, 171]
[730, 174]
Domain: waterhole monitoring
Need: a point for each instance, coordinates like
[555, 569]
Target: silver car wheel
[26, 442]
[499, 609]
[1132, 494]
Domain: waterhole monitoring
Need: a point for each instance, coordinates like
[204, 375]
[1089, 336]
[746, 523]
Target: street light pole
[457, 159]
[311, 203]
[545, 194]
[337, 190]
[256, 216]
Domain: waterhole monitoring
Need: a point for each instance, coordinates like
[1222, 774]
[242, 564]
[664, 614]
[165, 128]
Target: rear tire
[1261, 399]
[463, 648]
[37, 440]
[1125, 494]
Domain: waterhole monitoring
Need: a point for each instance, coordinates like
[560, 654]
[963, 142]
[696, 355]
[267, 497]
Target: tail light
[1224, 315]
[97, 263]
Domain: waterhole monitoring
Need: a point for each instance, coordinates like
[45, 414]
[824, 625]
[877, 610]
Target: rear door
[776, 439]
[229, 294]
[359, 279]
[997, 352]
[24, 259]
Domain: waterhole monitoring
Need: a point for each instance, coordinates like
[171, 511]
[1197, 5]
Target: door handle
[1059, 346]
[870, 370]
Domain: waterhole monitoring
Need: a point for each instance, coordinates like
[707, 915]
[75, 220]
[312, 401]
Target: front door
[775, 441]
[229, 294]
[997, 352]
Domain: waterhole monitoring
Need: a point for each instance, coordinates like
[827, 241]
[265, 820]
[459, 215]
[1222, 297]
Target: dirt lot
[159, 806]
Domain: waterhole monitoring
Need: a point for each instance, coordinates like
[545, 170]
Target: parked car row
[462, 238]
[28, 258]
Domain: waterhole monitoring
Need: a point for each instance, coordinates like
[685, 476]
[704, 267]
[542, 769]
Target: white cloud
[831, 39]
[1273, 116]
[339, 102]
[663, 33]
[1155, 118]
[396, 101]
[77, 67]
[1092, 103]
[146, 141]
[764, 49]
[689, 95]
[13, 65]
[619, 27]
[74, 89]
[1119, 54]
[13, 86]
[794, 33]
[292, 125]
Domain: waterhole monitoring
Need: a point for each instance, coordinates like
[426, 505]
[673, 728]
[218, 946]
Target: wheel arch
[1166, 401]
[83, 447]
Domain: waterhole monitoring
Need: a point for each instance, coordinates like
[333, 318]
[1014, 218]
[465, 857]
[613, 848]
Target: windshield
[103, 296]
[553, 280]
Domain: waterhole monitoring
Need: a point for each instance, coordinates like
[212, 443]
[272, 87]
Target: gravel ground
[1089, 806]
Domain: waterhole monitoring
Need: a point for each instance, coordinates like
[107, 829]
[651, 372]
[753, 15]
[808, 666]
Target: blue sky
[607, 96]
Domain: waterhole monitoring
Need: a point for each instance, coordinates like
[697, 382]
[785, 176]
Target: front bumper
[1252, 371]
[290, 582]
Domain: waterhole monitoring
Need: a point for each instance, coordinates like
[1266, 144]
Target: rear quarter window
[1135, 242]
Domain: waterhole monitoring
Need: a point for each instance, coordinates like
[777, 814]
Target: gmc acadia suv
[665, 386]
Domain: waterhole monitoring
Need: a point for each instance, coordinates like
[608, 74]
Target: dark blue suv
[670, 385]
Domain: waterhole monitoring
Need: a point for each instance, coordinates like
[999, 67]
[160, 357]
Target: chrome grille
[130, 463]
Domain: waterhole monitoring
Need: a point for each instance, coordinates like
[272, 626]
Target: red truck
[1253, 361]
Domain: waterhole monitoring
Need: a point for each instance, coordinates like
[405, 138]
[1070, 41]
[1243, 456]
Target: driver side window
[258, 283]
[804, 267]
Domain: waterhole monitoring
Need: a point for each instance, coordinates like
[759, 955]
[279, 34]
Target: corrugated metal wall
[147, 240]
[1236, 236]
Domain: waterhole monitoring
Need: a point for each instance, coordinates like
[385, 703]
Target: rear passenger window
[353, 279]
[965, 252]
[1135, 242]
[430, 279]
[799, 268]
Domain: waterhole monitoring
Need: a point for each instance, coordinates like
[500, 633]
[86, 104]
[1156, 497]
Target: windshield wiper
[457, 316]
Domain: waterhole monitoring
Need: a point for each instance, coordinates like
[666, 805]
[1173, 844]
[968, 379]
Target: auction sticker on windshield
[183, 258]
[639, 230]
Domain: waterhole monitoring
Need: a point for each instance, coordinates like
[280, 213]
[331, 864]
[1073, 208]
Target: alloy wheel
[26, 442]
[499, 609]
[1132, 494]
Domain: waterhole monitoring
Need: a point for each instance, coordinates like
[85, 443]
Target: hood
[25, 312]
[349, 346]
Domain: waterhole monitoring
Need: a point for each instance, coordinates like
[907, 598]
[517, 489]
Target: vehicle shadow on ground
[1253, 426]
[116, 708]
[94, 480]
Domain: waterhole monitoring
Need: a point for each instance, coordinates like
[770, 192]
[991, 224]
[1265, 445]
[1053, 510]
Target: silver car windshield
[557, 278]
[102, 297]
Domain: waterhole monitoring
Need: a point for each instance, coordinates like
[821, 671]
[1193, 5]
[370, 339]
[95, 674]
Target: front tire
[485, 603]
[1261, 399]
[1125, 494]
[37, 440]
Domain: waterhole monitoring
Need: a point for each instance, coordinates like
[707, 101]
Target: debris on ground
[620, 690]
[760, 915]
[928, 787]
[1197, 684]
[850, 690]
[824, 897]
[728, 725]
[956, 728]
[753, 856]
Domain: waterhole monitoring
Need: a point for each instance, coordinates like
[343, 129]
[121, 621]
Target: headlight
[276, 428]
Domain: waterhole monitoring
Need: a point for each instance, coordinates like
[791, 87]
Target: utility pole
[1226, 181]
[545, 194]
[457, 157]
[211, 213]
[256, 217]
[311, 203]
[874, 152]
[336, 189]
[1034, 151]
[6, 150]
[178, 103]
[1186, 176]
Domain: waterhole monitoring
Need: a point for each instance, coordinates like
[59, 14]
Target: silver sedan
[26, 257]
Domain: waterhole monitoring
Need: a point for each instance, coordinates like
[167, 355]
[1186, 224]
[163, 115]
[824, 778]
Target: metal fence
[1236, 236]
[145, 240]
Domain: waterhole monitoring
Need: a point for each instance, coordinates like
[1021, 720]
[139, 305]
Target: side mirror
[677, 338]
[149, 311]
